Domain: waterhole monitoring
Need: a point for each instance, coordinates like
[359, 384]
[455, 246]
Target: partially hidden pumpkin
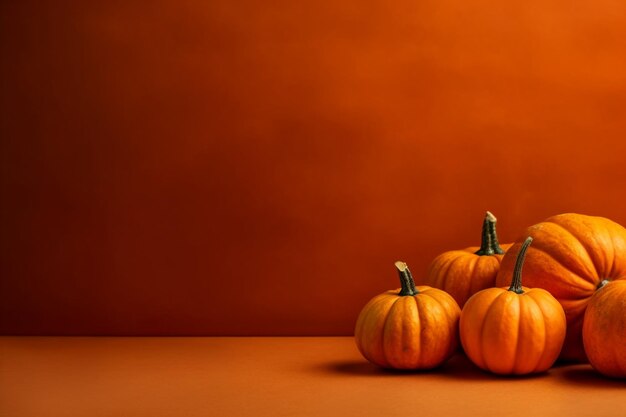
[461, 273]
[408, 328]
[572, 255]
[604, 329]
[515, 330]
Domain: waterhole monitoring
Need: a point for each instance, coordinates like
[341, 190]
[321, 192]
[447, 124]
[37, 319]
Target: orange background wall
[254, 168]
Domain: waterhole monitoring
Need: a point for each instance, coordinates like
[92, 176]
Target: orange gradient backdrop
[255, 168]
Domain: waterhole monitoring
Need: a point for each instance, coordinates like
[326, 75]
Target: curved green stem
[406, 279]
[516, 284]
[489, 244]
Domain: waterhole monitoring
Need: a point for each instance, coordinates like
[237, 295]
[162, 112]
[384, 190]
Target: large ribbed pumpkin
[408, 328]
[515, 330]
[571, 256]
[461, 273]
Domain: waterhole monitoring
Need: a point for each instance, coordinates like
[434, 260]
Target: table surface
[294, 376]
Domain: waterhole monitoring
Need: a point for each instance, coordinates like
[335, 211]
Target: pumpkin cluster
[572, 305]
[573, 255]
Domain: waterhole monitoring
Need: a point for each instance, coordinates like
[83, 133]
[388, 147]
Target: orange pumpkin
[408, 328]
[573, 254]
[604, 329]
[513, 331]
[461, 273]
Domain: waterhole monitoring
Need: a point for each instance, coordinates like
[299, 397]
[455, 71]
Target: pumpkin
[408, 328]
[514, 330]
[604, 329]
[572, 256]
[461, 273]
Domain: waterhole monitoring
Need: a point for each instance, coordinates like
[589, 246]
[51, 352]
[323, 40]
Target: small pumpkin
[513, 330]
[604, 329]
[408, 328]
[461, 273]
[572, 256]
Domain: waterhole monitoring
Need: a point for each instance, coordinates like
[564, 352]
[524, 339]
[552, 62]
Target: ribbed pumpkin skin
[604, 330]
[571, 255]
[508, 333]
[409, 332]
[462, 273]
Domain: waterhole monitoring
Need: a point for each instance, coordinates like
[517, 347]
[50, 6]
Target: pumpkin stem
[516, 284]
[489, 244]
[406, 279]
